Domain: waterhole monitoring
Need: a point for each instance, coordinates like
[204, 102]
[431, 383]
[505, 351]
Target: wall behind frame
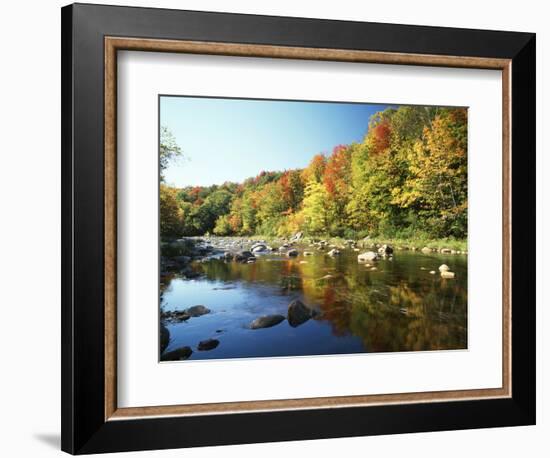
[30, 227]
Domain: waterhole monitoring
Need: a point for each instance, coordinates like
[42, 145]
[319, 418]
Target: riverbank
[445, 245]
[198, 247]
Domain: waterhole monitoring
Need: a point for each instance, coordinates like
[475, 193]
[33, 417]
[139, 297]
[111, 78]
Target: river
[392, 305]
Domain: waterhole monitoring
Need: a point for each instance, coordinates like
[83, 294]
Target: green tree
[315, 211]
[168, 149]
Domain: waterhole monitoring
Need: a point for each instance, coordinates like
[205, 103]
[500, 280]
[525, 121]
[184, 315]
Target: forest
[407, 178]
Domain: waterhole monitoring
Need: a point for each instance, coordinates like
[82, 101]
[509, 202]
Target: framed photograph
[284, 228]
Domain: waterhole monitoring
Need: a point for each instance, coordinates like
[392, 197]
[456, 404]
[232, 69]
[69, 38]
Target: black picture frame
[84, 428]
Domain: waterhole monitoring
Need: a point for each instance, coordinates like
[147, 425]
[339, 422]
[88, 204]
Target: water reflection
[398, 307]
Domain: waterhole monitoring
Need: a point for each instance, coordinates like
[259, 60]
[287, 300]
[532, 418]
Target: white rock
[368, 256]
[447, 274]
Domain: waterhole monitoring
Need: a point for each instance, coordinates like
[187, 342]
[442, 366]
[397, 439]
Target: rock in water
[368, 256]
[385, 250]
[197, 310]
[308, 253]
[208, 344]
[266, 321]
[292, 253]
[243, 256]
[443, 268]
[164, 337]
[175, 316]
[228, 256]
[298, 313]
[334, 252]
[426, 250]
[258, 247]
[180, 354]
[447, 274]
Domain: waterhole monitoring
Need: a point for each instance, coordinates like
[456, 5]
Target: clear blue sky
[233, 139]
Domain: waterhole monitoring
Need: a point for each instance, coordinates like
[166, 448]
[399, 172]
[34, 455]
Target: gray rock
[243, 256]
[334, 252]
[197, 310]
[259, 247]
[180, 354]
[266, 321]
[175, 316]
[298, 313]
[292, 253]
[208, 344]
[385, 250]
[447, 274]
[443, 268]
[426, 250]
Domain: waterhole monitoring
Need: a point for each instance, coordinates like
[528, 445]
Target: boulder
[208, 344]
[175, 316]
[243, 256]
[259, 247]
[385, 250]
[432, 272]
[368, 256]
[334, 252]
[180, 354]
[426, 250]
[447, 274]
[445, 250]
[197, 310]
[298, 313]
[443, 268]
[228, 256]
[292, 253]
[266, 321]
[180, 315]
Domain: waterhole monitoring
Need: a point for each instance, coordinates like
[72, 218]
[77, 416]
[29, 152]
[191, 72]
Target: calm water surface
[399, 307]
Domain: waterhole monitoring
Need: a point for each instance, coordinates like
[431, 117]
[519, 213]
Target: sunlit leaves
[407, 176]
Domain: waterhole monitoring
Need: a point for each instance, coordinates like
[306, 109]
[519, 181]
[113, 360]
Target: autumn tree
[407, 176]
